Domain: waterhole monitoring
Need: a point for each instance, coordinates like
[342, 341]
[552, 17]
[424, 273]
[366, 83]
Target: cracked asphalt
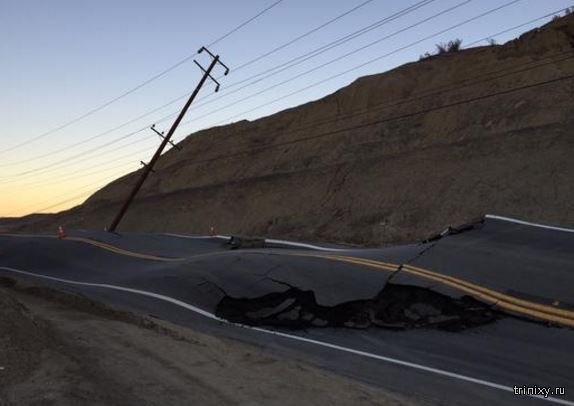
[524, 274]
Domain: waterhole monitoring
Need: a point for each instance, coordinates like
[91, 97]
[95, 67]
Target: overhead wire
[356, 67]
[139, 86]
[173, 101]
[85, 172]
[70, 161]
[243, 24]
[386, 105]
[267, 73]
[304, 35]
[91, 190]
[546, 15]
[346, 55]
[516, 27]
[373, 60]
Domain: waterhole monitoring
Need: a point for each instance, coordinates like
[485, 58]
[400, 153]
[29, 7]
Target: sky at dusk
[63, 59]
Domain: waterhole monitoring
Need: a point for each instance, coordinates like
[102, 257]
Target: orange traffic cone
[61, 233]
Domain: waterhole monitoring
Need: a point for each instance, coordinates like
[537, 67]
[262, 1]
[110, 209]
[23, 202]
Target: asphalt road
[524, 271]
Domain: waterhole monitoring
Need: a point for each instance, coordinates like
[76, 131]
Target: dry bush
[451, 46]
[444, 48]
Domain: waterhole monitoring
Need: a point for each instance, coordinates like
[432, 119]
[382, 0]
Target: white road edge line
[303, 245]
[199, 237]
[269, 240]
[290, 336]
[527, 223]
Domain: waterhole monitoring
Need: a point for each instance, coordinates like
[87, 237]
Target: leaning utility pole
[149, 167]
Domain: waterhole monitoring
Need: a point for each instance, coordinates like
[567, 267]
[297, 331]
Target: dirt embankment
[62, 349]
[392, 157]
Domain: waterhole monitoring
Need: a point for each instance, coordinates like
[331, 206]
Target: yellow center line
[122, 251]
[28, 235]
[359, 261]
[102, 245]
[499, 299]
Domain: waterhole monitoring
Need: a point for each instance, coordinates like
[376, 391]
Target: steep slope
[391, 157]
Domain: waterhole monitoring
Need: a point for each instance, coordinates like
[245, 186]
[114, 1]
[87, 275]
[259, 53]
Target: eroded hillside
[391, 157]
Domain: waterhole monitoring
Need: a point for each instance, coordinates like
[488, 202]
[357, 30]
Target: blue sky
[62, 58]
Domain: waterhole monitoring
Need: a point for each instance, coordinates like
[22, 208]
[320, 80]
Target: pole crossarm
[214, 57]
[160, 134]
[210, 77]
[145, 165]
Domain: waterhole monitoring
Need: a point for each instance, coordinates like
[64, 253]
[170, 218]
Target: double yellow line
[122, 251]
[102, 245]
[501, 300]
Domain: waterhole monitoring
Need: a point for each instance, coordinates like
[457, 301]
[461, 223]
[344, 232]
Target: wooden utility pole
[149, 167]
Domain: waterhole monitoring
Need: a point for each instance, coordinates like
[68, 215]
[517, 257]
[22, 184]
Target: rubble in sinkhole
[394, 307]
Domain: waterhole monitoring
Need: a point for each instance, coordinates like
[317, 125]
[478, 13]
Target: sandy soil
[62, 349]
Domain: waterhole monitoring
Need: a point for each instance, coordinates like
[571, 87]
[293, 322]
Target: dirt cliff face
[392, 157]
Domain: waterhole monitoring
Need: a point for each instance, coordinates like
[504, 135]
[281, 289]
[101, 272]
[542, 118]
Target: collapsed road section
[479, 279]
[394, 307]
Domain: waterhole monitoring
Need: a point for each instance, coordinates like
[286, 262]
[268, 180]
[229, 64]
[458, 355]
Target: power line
[91, 190]
[139, 86]
[66, 162]
[316, 52]
[240, 26]
[418, 4]
[326, 47]
[436, 34]
[81, 173]
[370, 110]
[82, 154]
[99, 135]
[320, 50]
[300, 37]
[516, 27]
[89, 193]
[334, 76]
[388, 19]
[474, 18]
[329, 46]
[297, 60]
[292, 62]
[439, 14]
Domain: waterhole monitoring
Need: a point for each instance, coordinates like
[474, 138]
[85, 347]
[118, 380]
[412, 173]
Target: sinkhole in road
[396, 306]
